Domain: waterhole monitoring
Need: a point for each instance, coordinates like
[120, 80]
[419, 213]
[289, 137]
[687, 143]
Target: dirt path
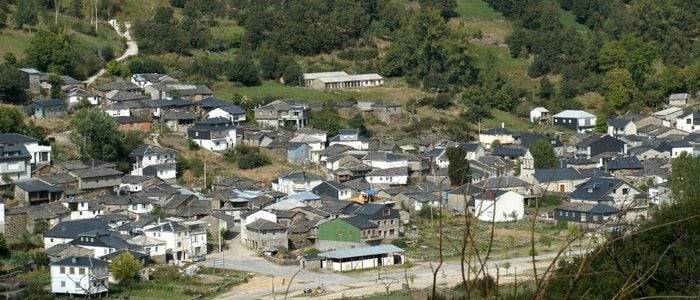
[131, 48]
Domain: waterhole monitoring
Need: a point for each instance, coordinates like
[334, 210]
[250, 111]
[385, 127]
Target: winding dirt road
[132, 48]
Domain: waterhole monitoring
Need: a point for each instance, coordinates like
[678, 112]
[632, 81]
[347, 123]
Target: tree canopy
[458, 170]
[125, 268]
[543, 155]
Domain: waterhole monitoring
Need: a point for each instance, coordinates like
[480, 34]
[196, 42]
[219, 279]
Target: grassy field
[137, 9]
[477, 9]
[511, 239]
[395, 90]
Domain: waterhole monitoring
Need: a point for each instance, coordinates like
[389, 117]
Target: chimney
[74, 259]
[503, 125]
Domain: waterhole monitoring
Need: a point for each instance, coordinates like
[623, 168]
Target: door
[562, 188]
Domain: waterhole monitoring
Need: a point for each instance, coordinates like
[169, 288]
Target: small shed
[361, 258]
[539, 114]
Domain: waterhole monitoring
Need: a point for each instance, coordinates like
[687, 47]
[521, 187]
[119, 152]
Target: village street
[352, 284]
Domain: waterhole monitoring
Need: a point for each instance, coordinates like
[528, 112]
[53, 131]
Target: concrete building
[361, 258]
[539, 114]
[283, 113]
[578, 120]
[217, 134]
[154, 161]
[341, 80]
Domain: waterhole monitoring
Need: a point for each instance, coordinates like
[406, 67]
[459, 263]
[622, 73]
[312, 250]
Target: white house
[315, 140]
[144, 80]
[502, 135]
[350, 137]
[539, 114]
[499, 206]
[296, 181]
[384, 160]
[669, 115]
[76, 94]
[233, 113]
[391, 176]
[618, 127]
[40, 155]
[82, 208]
[689, 123]
[252, 217]
[216, 134]
[197, 243]
[176, 239]
[154, 161]
[679, 99]
[680, 147]
[100, 242]
[155, 248]
[79, 275]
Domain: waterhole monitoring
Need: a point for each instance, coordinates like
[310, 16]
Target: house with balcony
[578, 120]
[233, 113]
[296, 181]
[79, 275]
[350, 137]
[40, 155]
[216, 134]
[35, 191]
[148, 160]
[176, 237]
[14, 164]
[283, 113]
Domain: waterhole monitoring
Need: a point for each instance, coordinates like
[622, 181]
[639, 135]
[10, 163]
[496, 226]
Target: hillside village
[346, 206]
[387, 149]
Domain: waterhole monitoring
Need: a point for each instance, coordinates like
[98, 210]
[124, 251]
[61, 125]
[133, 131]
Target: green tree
[358, 122]
[546, 88]
[243, 71]
[619, 88]
[11, 119]
[327, 120]
[631, 53]
[125, 268]
[685, 177]
[96, 135]
[601, 124]
[56, 82]
[458, 170]
[26, 13]
[543, 155]
[11, 84]
[53, 52]
[292, 73]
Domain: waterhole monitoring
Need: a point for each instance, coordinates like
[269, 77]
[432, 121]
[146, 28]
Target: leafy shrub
[167, 273]
[247, 157]
[358, 54]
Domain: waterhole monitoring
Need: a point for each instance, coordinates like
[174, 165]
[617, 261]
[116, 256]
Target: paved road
[131, 49]
[352, 284]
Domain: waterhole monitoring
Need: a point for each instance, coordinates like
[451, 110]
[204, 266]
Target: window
[63, 284]
[625, 191]
[51, 240]
[71, 270]
[81, 271]
[63, 270]
[179, 244]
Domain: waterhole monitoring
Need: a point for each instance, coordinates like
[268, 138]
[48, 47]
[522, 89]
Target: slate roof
[264, 225]
[398, 171]
[48, 103]
[95, 172]
[15, 138]
[71, 229]
[36, 185]
[81, 261]
[598, 208]
[137, 255]
[117, 85]
[618, 122]
[14, 152]
[549, 175]
[624, 163]
[595, 189]
[213, 103]
[382, 156]
[301, 176]
[168, 227]
[502, 182]
[509, 152]
[360, 222]
[233, 109]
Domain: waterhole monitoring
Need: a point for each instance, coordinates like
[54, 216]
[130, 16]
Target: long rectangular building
[341, 80]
